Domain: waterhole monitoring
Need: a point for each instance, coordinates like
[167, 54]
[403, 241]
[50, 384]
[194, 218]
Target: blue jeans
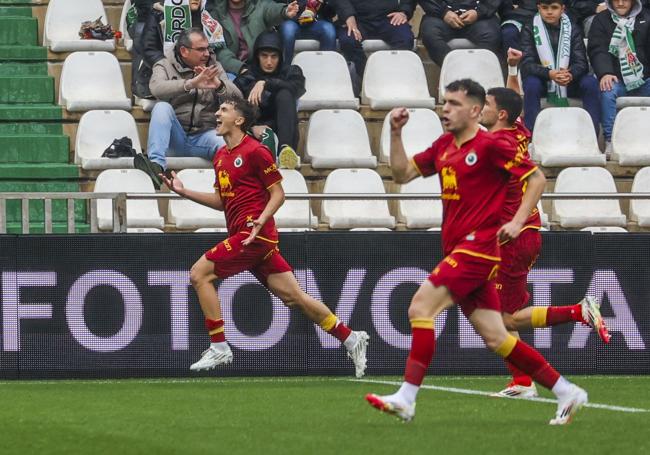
[168, 138]
[608, 103]
[321, 30]
[586, 88]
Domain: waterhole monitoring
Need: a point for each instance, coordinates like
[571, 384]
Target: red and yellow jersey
[243, 176]
[473, 179]
[517, 188]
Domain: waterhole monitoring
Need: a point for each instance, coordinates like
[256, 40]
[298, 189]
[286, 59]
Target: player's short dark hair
[508, 100]
[244, 108]
[471, 88]
[185, 38]
[550, 2]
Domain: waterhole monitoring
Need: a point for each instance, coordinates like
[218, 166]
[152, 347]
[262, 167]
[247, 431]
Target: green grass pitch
[312, 415]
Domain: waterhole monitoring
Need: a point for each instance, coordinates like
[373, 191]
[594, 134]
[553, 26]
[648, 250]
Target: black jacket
[524, 12]
[600, 35]
[438, 8]
[368, 10]
[530, 63]
[286, 76]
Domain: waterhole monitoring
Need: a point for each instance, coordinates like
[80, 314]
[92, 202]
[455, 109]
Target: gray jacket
[194, 109]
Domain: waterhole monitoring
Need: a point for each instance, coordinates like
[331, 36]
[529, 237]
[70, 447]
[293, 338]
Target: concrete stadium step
[21, 53]
[23, 69]
[30, 128]
[15, 11]
[18, 30]
[39, 228]
[36, 211]
[23, 2]
[34, 148]
[42, 171]
[35, 112]
[26, 89]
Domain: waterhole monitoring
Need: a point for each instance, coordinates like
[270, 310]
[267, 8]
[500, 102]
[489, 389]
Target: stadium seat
[63, 20]
[92, 80]
[603, 229]
[140, 213]
[302, 45]
[327, 81]
[144, 231]
[565, 136]
[145, 103]
[480, 65]
[632, 101]
[187, 162]
[578, 213]
[640, 209]
[200, 230]
[355, 213]
[295, 213]
[630, 137]
[461, 43]
[127, 41]
[423, 213]
[395, 78]
[338, 138]
[186, 214]
[374, 45]
[543, 216]
[422, 129]
[96, 132]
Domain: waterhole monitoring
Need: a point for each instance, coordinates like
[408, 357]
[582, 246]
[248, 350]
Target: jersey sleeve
[425, 162]
[510, 156]
[265, 166]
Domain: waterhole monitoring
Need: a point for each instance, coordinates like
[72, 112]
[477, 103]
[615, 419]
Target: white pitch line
[608, 407]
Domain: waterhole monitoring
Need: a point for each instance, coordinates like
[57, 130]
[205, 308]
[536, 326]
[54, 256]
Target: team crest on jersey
[471, 159]
[239, 161]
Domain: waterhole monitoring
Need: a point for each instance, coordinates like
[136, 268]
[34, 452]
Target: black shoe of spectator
[153, 170]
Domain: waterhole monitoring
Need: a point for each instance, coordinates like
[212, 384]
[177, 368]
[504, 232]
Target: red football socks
[423, 346]
[561, 314]
[215, 330]
[332, 325]
[518, 376]
[529, 361]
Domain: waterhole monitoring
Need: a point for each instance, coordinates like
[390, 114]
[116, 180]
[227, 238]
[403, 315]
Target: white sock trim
[561, 387]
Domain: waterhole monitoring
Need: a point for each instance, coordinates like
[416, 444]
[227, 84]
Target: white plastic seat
[374, 45]
[480, 65]
[63, 20]
[419, 214]
[356, 213]
[302, 45]
[395, 78]
[295, 214]
[144, 231]
[200, 230]
[139, 212]
[96, 132]
[92, 80]
[461, 43]
[186, 214]
[187, 162]
[543, 216]
[327, 81]
[630, 138]
[127, 41]
[632, 101]
[338, 138]
[422, 129]
[604, 229]
[565, 136]
[145, 103]
[578, 213]
[640, 209]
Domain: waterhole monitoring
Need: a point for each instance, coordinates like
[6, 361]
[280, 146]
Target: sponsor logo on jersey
[225, 186]
[449, 183]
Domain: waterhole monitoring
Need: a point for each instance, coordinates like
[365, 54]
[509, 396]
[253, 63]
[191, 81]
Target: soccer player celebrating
[474, 168]
[248, 188]
[501, 116]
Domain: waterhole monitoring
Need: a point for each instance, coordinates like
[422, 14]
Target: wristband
[513, 70]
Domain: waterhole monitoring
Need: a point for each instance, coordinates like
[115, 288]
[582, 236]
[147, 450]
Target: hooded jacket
[600, 35]
[285, 77]
[194, 109]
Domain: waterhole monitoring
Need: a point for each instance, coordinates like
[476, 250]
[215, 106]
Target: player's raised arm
[212, 200]
[401, 167]
[535, 183]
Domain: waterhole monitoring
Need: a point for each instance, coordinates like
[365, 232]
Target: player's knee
[197, 276]
[494, 340]
[418, 308]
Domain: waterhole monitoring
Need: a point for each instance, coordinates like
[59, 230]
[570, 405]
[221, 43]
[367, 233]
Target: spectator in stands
[313, 21]
[583, 12]
[473, 20]
[619, 49]
[554, 64]
[243, 21]
[379, 19]
[274, 86]
[189, 83]
[514, 15]
[136, 21]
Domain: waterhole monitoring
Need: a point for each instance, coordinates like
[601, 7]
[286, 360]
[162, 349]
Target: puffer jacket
[194, 109]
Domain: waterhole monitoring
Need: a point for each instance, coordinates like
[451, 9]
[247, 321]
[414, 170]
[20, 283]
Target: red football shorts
[517, 258]
[470, 280]
[261, 258]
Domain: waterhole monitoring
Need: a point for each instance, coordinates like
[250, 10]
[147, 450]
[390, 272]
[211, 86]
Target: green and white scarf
[178, 17]
[551, 58]
[622, 47]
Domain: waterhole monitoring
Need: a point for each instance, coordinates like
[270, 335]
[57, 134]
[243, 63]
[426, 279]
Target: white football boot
[390, 405]
[592, 317]
[212, 357]
[568, 405]
[513, 390]
[358, 353]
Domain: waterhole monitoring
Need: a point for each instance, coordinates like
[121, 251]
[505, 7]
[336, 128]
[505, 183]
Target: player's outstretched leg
[285, 286]
[202, 277]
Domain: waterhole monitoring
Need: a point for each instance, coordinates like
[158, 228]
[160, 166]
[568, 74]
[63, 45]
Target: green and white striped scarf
[178, 17]
[552, 59]
[622, 47]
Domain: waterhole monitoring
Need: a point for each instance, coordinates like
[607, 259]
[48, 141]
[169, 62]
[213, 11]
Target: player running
[248, 189]
[474, 167]
[501, 116]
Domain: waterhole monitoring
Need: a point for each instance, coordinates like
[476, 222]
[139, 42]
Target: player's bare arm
[535, 183]
[401, 167]
[275, 202]
[212, 200]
